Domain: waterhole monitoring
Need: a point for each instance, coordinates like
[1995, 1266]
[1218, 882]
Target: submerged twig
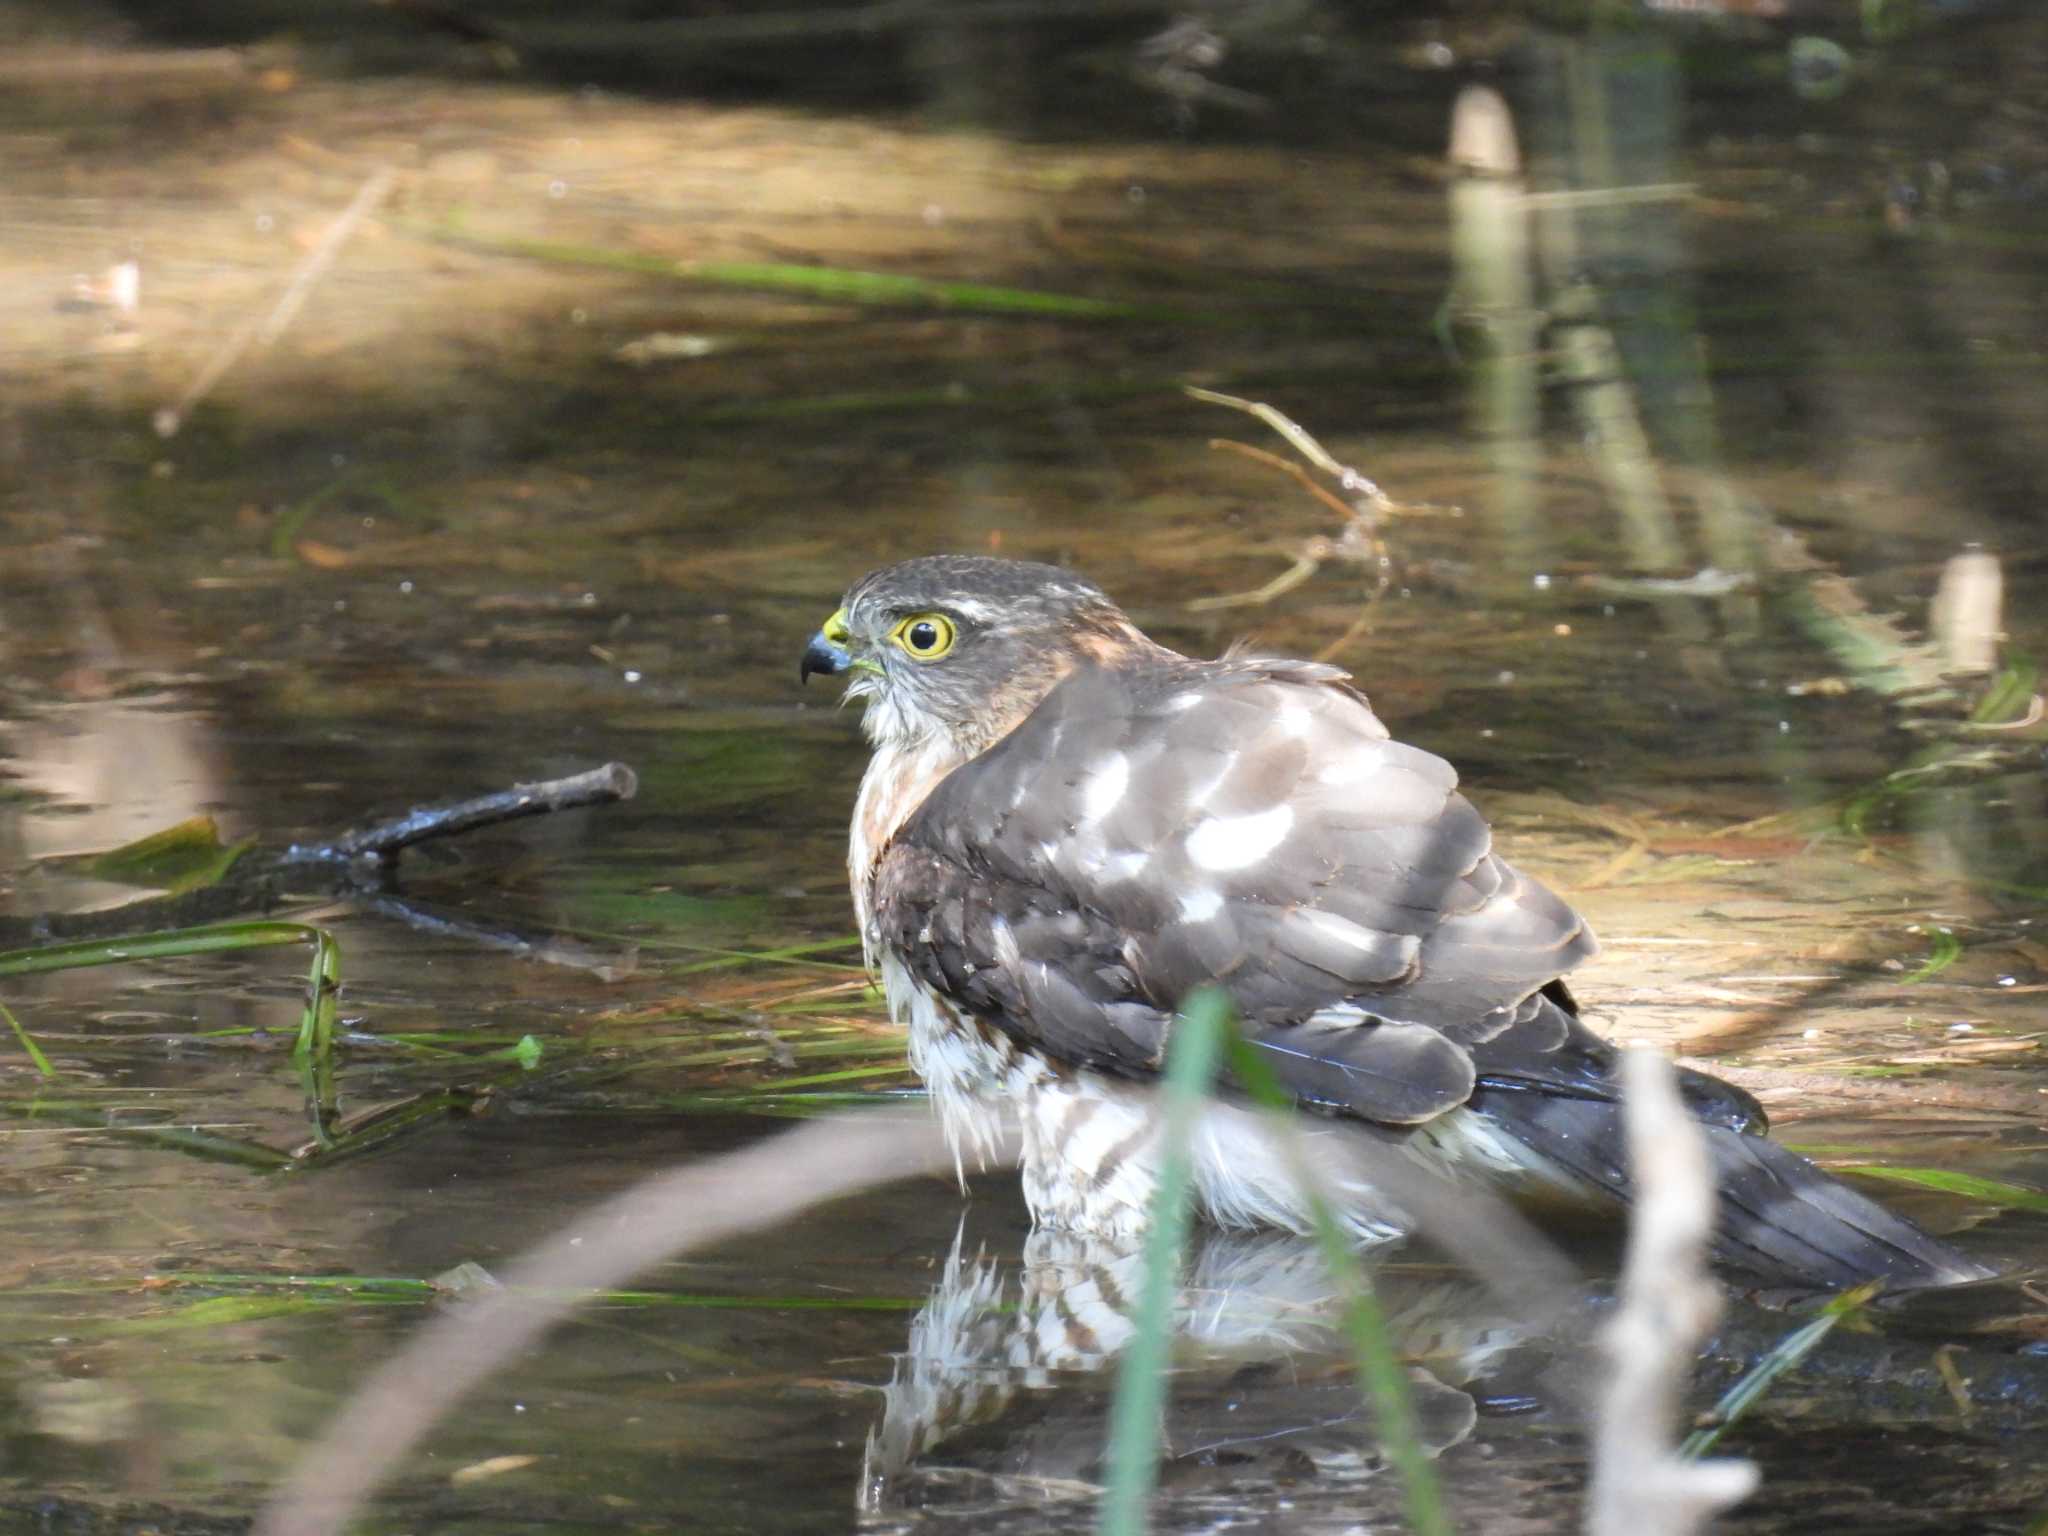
[607, 962]
[1302, 443]
[1286, 467]
[1872, 648]
[2037, 708]
[1359, 540]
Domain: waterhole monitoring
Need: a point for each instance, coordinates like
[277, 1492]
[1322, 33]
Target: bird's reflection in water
[998, 1410]
[1004, 1389]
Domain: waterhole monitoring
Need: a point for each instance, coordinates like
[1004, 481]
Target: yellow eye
[927, 636]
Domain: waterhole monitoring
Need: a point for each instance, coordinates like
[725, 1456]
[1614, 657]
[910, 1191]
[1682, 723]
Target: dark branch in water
[262, 881]
[383, 840]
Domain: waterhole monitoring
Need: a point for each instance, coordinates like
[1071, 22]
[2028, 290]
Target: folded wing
[1242, 822]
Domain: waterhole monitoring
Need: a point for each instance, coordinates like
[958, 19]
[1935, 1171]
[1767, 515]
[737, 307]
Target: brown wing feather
[1243, 822]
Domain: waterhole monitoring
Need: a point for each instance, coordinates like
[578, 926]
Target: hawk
[1066, 828]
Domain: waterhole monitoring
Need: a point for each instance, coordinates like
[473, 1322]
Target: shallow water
[512, 495]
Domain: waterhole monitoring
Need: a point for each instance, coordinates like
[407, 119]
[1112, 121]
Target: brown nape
[1104, 638]
[1011, 700]
[1110, 640]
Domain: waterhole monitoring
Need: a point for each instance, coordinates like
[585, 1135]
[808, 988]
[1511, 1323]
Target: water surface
[534, 480]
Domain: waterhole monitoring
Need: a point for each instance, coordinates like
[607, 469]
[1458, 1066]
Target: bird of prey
[1066, 828]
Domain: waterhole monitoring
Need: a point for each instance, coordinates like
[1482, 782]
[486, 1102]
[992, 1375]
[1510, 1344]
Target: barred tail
[1780, 1214]
[1781, 1219]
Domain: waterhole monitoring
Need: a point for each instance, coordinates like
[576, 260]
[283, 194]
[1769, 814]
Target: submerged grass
[316, 1023]
[1787, 1353]
[833, 285]
[193, 1141]
[242, 1297]
[1993, 1191]
[806, 954]
[313, 1053]
[750, 1026]
[28, 1044]
[1943, 949]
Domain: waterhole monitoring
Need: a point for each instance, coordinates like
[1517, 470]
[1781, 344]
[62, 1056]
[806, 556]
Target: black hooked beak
[827, 651]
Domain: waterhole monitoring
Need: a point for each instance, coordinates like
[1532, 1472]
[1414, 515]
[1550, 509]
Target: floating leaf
[185, 857]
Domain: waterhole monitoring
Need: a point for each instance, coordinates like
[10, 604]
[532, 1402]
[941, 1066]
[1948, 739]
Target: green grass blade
[313, 1051]
[323, 989]
[1135, 1419]
[165, 944]
[832, 285]
[225, 1311]
[777, 1086]
[1943, 948]
[92, 1120]
[2016, 1196]
[2007, 695]
[1365, 1324]
[335, 1139]
[35, 1052]
[725, 959]
[1785, 1354]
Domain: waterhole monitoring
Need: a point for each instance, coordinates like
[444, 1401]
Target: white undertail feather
[973, 1077]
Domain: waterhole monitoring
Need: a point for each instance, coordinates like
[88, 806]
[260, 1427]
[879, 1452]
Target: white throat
[899, 776]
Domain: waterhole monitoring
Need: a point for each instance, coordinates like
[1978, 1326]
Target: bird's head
[959, 648]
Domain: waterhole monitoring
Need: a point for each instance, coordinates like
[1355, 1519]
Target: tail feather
[1780, 1218]
[1779, 1213]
